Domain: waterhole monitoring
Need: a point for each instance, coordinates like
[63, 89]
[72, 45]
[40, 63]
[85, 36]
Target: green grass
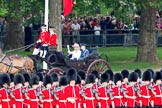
[122, 58]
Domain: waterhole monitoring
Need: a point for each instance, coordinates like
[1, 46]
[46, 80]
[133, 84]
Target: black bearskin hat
[152, 72]
[63, 81]
[19, 78]
[146, 76]
[111, 74]
[125, 73]
[47, 80]
[11, 77]
[71, 74]
[82, 74]
[4, 78]
[54, 77]
[133, 76]
[26, 77]
[40, 75]
[105, 77]
[157, 76]
[118, 77]
[90, 79]
[78, 80]
[35, 80]
[138, 71]
[96, 74]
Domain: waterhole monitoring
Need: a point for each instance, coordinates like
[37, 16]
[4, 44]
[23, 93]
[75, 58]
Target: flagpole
[46, 23]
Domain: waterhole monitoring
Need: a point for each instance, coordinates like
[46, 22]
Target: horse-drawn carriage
[58, 62]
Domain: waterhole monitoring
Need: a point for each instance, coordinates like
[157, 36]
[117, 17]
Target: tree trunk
[55, 20]
[14, 34]
[146, 50]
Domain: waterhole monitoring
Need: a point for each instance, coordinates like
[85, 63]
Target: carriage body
[58, 62]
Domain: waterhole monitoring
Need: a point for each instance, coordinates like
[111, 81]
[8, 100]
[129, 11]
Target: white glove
[45, 44]
[38, 41]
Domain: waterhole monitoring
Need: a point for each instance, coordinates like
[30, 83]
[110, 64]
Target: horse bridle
[10, 65]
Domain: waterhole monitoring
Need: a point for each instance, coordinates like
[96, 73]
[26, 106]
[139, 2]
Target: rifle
[122, 90]
[24, 92]
[108, 91]
[94, 91]
[10, 92]
[39, 95]
[137, 90]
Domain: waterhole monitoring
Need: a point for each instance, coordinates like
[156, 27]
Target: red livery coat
[4, 98]
[34, 101]
[52, 40]
[44, 37]
[18, 98]
[158, 96]
[145, 95]
[103, 96]
[47, 98]
[72, 92]
[90, 103]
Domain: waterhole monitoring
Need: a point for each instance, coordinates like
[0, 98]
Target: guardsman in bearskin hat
[158, 90]
[146, 89]
[54, 87]
[26, 87]
[139, 81]
[90, 92]
[104, 96]
[118, 91]
[19, 91]
[5, 94]
[40, 75]
[132, 90]
[12, 85]
[61, 93]
[97, 80]
[32, 92]
[72, 92]
[125, 74]
[47, 94]
[78, 83]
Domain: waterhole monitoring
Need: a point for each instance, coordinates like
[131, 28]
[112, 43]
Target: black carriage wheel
[51, 59]
[99, 65]
[56, 70]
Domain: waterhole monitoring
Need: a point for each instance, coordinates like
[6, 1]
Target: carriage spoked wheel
[59, 71]
[104, 57]
[52, 59]
[98, 65]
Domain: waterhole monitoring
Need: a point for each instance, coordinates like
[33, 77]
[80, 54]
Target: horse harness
[10, 64]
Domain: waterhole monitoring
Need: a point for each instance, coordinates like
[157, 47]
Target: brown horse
[15, 63]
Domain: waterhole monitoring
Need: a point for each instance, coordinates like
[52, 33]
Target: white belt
[118, 96]
[104, 98]
[131, 97]
[5, 100]
[62, 101]
[34, 99]
[19, 99]
[158, 95]
[146, 96]
[48, 100]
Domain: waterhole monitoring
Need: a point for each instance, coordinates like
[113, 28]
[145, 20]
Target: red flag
[68, 6]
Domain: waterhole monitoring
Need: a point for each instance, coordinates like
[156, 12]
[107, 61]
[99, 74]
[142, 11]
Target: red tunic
[145, 95]
[44, 37]
[18, 98]
[72, 92]
[103, 97]
[4, 98]
[131, 97]
[138, 99]
[47, 99]
[62, 99]
[158, 96]
[34, 101]
[90, 103]
[52, 40]
[117, 97]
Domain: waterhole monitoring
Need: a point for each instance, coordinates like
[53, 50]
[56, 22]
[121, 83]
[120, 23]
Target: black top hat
[133, 76]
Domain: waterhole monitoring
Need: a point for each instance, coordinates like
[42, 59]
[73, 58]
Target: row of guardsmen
[76, 89]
